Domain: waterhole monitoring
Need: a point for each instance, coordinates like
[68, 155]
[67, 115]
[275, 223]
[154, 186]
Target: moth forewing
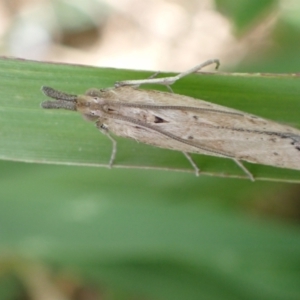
[200, 127]
[182, 123]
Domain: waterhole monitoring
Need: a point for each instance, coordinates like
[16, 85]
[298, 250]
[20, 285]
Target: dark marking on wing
[158, 120]
[295, 139]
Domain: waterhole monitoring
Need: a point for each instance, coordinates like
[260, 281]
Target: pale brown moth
[182, 123]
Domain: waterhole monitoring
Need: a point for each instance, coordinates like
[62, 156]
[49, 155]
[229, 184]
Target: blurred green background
[92, 233]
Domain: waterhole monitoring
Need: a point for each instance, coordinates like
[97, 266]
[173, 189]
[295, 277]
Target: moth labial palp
[182, 123]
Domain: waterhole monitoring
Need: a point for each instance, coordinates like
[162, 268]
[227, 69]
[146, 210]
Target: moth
[181, 123]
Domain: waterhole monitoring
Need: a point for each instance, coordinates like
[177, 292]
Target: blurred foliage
[162, 235]
[244, 13]
[281, 52]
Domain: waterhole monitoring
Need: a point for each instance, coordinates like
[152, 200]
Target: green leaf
[31, 134]
[244, 12]
[163, 237]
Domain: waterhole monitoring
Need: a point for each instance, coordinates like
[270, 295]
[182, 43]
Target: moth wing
[197, 126]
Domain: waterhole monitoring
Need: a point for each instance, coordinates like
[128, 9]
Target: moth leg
[167, 81]
[189, 158]
[246, 171]
[154, 75]
[105, 131]
[137, 85]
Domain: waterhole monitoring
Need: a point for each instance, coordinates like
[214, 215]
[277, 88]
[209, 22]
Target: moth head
[62, 100]
[91, 100]
[90, 104]
[85, 104]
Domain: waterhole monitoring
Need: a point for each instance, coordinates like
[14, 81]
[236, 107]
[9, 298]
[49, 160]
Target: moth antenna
[64, 104]
[52, 93]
